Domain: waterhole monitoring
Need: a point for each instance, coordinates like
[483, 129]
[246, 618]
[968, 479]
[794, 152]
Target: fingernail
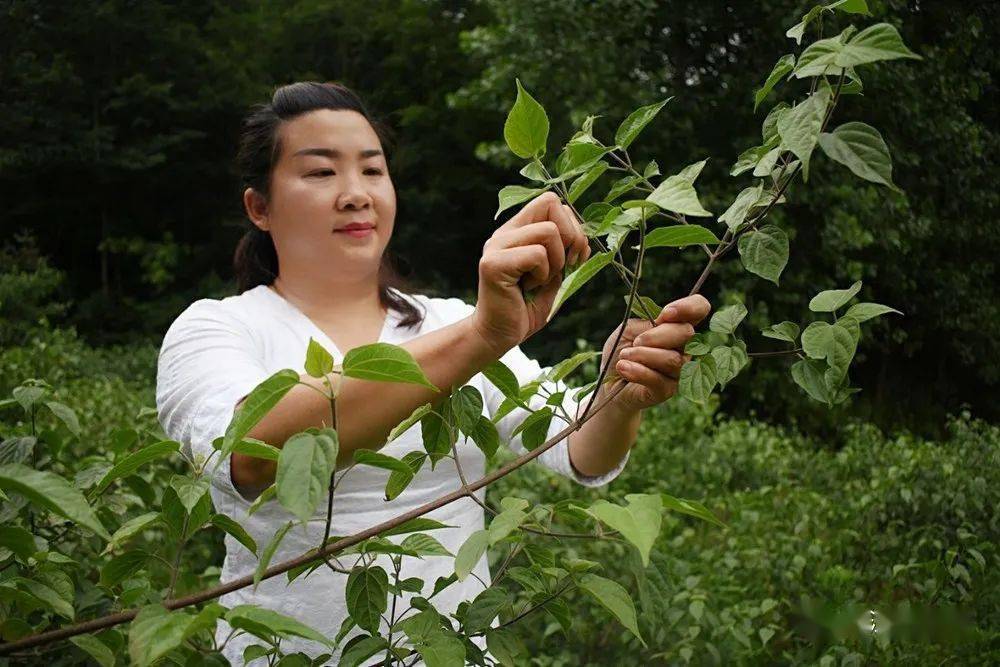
[670, 313]
[626, 353]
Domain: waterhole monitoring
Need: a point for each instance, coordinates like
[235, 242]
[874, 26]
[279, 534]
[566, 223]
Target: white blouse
[217, 351]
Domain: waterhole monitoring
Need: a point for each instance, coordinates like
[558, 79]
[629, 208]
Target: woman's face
[331, 173]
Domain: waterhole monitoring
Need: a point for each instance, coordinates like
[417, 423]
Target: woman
[318, 192]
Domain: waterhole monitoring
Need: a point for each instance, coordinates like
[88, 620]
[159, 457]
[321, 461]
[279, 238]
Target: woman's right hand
[529, 251]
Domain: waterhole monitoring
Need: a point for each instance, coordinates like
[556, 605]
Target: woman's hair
[256, 259]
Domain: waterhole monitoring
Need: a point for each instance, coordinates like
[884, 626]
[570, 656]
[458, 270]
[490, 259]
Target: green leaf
[512, 195]
[19, 541]
[850, 6]
[467, 406]
[765, 252]
[729, 361]
[690, 508]
[257, 404]
[652, 309]
[154, 632]
[636, 121]
[810, 375]
[270, 625]
[565, 368]
[265, 557]
[367, 596]
[380, 460]
[255, 448]
[750, 158]
[676, 193]
[725, 320]
[799, 127]
[506, 522]
[534, 171]
[697, 379]
[698, 344]
[131, 528]
[860, 148]
[833, 342]
[678, 236]
[237, 531]
[620, 187]
[506, 647]
[66, 416]
[189, 490]
[534, 428]
[866, 311]
[484, 609]
[878, 42]
[399, 480]
[53, 493]
[442, 651]
[577, 158]
[265, 495]
[585, 180]
[355, 654]
[829, 301]
[303, 476]
[769, 128]
[121, 567]
[610, 595]
[798, 30]
[416, 525]
[438, 436]
[737, 211]
[319, 362]
[527, 127]
[578, 279]
[788, 331]
[95, 648]
[136, 460]
[470, 552]
[638, 521]
[424, 545]
[384, 362]
[48, 596]
[405, 425]
[486, 436]
[503, 379]
[784, 65]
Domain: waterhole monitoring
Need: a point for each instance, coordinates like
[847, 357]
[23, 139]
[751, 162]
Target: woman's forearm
[603, 441]
[367, 410]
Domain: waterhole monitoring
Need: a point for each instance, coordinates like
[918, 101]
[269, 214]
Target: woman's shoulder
[235, 311]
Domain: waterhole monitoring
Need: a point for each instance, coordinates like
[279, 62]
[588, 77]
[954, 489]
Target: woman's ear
[256, 208]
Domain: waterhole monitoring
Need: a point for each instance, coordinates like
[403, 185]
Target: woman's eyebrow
[334, 153]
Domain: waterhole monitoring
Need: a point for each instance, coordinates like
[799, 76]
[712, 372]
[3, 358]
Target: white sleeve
[207, 363]
[557, 457]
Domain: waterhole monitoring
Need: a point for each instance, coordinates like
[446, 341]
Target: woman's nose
[354, 194]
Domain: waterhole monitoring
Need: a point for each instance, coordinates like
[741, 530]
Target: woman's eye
[323, 172]
[373, 172]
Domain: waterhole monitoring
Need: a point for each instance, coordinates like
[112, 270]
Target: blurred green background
[118, 129]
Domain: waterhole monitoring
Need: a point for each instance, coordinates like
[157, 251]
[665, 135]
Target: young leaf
[189, 490]
[833, 342]
[828, 301]
[577, 158]
[725, 320]
[765, 252]
[799, 126]
[860, 148]
[788, 331]
[437, 435]
[155, 632]
[579, 278]
[417, 525]
[424, 545]
[53, 493]
[367, 592]
[304, 467]
[319, 362]
[610, 595]
[527, 127]
[784, 65]
[384, 362]
[638, 522]
[636, 121]
[679, 236]
[512, 195]
[737, 211]
[676, 193]
[697, 379]
[470, 552]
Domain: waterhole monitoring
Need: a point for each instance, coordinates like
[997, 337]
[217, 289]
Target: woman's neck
[331, 301]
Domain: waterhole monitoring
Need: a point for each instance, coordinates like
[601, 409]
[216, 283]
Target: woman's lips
[357, 232]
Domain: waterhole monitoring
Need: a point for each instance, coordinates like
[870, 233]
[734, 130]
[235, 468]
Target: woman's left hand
[650, 357]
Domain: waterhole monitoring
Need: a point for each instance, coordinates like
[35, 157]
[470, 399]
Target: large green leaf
[270, 625]
[860, 148]
[678, 236]
[257, 404]
[833, 342]
[96, 649]
[484, 609]
[304, 467]
[384, 362]
[578, 279]
[486, 436]
[154, 632]
[799, 127]
[53, 493]
[636, 121]
[470, 552]
[787, 331]
[676, 193]
[610, 595]
[810, 374]
[527, 126]
[697, 379]
[725, 320]
[577, 158]
[512, 195]
[784, 65]
[19, 541]
[729, 361]
[878, 42]
[367, 596]
[638, 521]
[737, 211]
[136, 460]
[866, 311]
[467, 406]
[765, 252]
[828, 301]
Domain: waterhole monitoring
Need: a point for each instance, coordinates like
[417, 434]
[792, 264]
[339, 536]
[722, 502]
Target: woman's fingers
[658, 386]
[507, 266]
[667, 335]
[668, 362]
[547, 206]
[691, 309]
[544, 234]
[581, 246]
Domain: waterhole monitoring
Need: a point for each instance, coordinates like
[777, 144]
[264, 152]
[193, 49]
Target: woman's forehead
[340, 133]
